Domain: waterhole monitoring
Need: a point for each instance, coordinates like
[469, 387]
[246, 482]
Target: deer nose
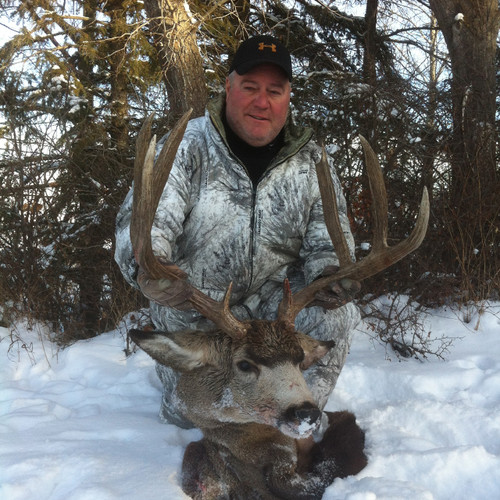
[306, 412]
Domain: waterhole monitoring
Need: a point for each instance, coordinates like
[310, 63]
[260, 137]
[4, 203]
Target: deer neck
[253, 443]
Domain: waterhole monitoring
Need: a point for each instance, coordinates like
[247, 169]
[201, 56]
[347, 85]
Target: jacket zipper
[252, 243]
[252, 237]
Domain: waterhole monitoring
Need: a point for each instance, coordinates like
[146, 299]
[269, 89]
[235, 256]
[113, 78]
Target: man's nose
[261, 100]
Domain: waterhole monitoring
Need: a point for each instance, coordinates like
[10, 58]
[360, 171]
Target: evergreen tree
[76, 84]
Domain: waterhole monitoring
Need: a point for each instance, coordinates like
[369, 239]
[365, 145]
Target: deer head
[256, 378]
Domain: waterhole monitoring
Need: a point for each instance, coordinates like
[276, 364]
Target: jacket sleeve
[124, 255]
[317, 250]
[173, 206]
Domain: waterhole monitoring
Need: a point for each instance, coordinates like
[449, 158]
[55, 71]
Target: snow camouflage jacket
[217, 227]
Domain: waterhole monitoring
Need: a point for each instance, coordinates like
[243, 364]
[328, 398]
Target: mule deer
[241, 383]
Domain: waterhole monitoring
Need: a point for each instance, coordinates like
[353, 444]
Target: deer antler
[381, 256]
[150, 178]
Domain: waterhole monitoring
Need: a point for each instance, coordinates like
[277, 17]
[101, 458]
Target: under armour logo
[262, 46]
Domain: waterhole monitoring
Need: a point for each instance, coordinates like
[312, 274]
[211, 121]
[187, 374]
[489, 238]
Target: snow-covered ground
[81, 423]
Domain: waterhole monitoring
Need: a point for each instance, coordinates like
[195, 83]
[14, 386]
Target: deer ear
[313, 349]
[182, 351]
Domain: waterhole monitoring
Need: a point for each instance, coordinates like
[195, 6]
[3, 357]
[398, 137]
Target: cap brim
[247, 66]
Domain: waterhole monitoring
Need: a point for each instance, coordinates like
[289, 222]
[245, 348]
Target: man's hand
[337, 293]
[171, 293]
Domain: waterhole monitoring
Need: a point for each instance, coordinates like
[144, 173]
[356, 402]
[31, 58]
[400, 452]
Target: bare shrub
[399, 322]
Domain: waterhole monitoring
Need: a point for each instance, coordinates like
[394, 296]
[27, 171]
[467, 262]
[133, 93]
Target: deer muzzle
[300, 421]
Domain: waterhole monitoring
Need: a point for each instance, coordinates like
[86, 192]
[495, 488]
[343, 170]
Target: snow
[81, 423]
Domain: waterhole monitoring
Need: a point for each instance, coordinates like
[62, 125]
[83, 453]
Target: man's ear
[313, 349]
[182, 351]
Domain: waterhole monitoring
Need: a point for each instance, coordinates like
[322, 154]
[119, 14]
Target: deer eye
[247, 367]
[244, 366]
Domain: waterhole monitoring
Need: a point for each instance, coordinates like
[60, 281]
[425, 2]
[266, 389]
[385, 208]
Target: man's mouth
[259, 118]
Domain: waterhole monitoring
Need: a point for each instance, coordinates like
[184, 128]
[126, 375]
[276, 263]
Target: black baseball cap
[261, 49]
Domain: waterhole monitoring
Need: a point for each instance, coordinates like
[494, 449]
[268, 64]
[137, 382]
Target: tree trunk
[175, 39]
[370, 71]
[97, 152]
[429, 141]
[471, 41]
[118, 156]
[470, 30]
[84, 251]
[119, 79]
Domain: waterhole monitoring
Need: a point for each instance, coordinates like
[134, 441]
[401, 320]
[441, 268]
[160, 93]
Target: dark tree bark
[429, 140]
[97, 153]
[370, 70]
[86, 247]
[470, 29]
[119, 79]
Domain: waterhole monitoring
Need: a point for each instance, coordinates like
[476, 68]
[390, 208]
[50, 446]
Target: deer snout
[304, 414]
[300, 421]
[309, 415]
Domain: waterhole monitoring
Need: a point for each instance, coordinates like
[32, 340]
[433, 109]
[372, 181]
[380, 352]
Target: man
[242, 205]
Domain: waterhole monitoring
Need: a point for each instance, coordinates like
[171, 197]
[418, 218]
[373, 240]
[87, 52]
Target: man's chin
[259, 140]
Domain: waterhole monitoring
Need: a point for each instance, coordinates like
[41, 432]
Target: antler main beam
[150, 178]
[381, 256]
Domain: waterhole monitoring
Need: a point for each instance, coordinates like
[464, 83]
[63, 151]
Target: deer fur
[250, 399]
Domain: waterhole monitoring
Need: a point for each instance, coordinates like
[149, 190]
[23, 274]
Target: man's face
[257, 103]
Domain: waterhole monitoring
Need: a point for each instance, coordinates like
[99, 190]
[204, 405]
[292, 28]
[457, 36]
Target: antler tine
[331, 211]
[381, 256]
[379, 196]
[149, 181]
